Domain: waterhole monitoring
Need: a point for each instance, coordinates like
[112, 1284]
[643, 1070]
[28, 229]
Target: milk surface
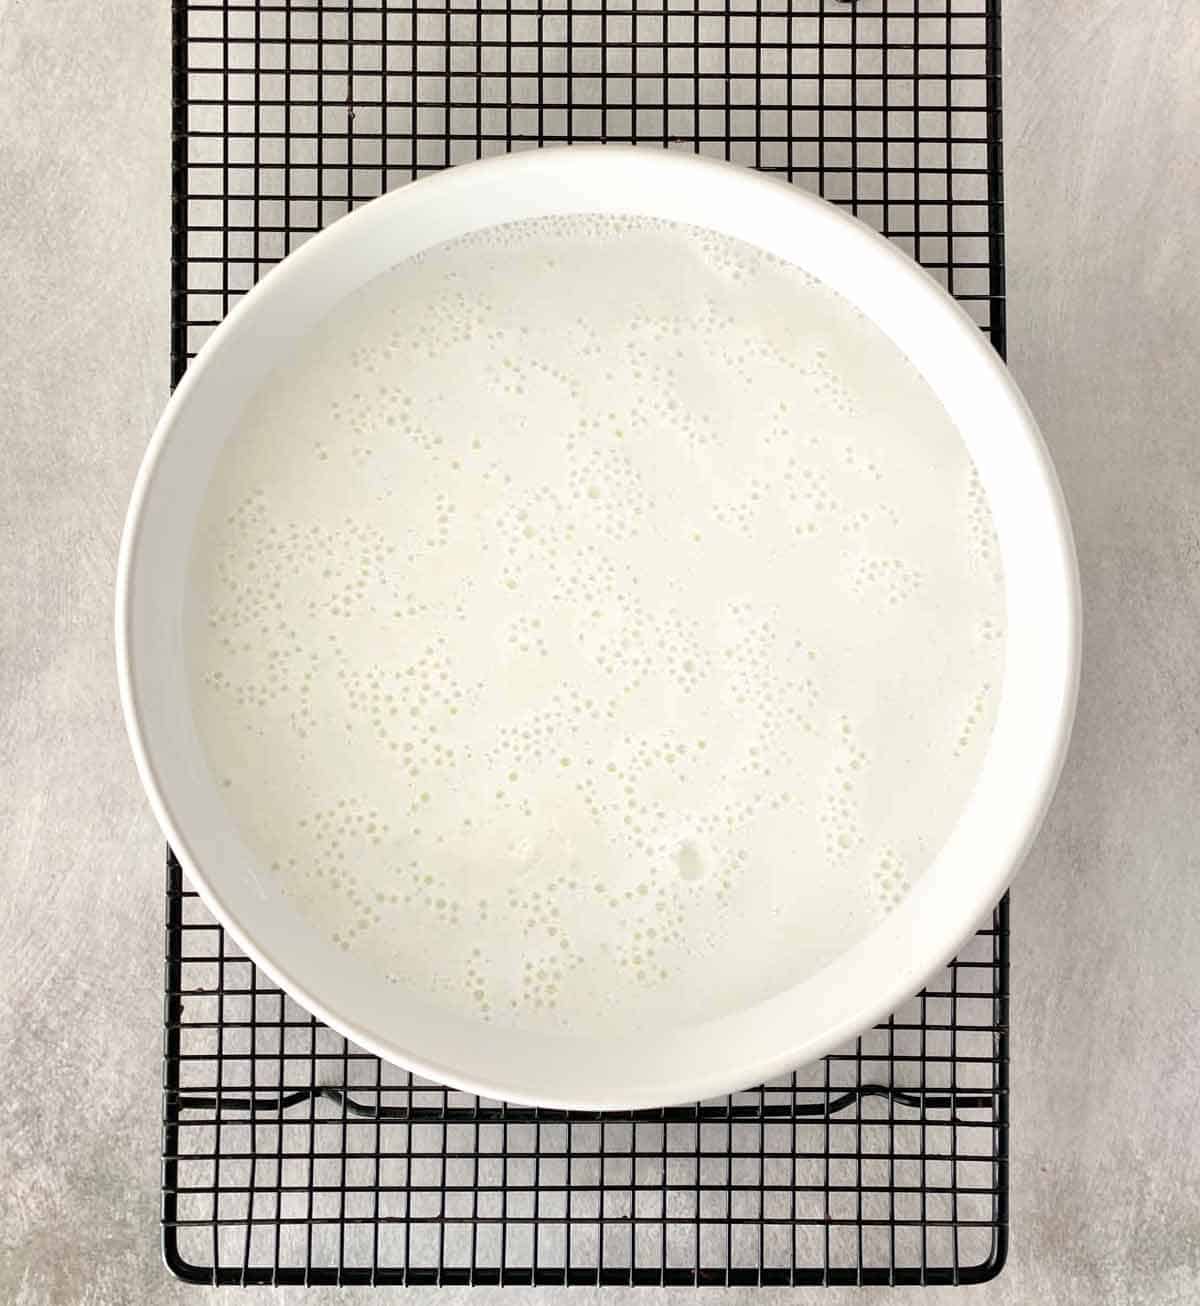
[597, 623]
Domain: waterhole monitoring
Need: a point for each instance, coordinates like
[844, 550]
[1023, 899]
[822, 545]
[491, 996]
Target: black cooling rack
[289, 1155]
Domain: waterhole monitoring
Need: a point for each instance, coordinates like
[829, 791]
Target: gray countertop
[1103, 182]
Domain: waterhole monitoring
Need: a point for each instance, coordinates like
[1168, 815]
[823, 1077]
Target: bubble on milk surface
[569, 611]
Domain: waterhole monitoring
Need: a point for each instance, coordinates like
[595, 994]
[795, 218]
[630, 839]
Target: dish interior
[597, 625]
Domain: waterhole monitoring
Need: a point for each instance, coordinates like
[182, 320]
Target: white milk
[598, 622]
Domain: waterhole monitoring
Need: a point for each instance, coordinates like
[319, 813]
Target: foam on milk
[597, 621]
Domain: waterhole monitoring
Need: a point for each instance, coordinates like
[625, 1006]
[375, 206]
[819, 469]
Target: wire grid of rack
[291, 1156]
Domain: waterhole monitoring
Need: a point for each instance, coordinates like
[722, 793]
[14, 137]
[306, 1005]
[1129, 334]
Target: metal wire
[822, 1110]
[289, 1155]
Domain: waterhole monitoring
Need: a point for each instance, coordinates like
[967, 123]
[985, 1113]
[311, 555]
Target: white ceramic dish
[1034, 714]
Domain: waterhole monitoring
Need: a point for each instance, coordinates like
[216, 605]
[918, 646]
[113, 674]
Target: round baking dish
[1034, 715]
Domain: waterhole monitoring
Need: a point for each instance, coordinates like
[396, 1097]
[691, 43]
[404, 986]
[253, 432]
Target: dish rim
[928, 947]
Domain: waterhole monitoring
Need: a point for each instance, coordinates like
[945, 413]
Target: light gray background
[1103, 124]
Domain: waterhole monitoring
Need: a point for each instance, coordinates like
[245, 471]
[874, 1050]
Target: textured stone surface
[1103, 191]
